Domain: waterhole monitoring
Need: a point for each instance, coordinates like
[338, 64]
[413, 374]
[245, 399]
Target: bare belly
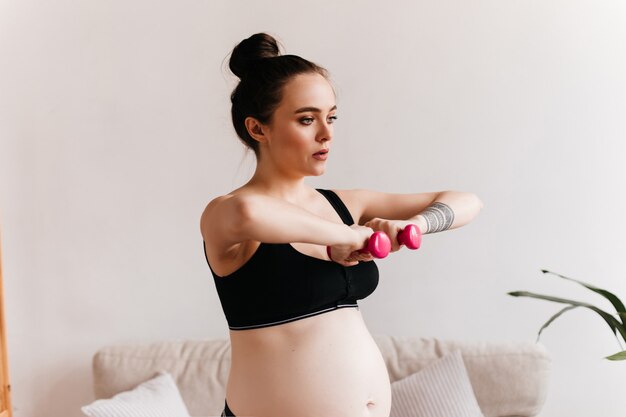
[326, 365]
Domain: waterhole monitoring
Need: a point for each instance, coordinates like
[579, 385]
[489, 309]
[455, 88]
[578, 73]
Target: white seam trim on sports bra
[293, 318]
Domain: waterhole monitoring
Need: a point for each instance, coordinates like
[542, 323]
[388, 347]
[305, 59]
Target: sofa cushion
[442, 389]
[508, 378]
[157, 397]
[199, 367]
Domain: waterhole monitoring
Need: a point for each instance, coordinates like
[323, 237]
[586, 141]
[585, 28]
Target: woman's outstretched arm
[234, 219]
[449, 210]
[432, 212]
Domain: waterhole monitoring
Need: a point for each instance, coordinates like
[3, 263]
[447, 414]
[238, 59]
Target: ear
[255, 129]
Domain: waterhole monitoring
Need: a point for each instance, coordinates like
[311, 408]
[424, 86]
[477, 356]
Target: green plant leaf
[612, 322]
[554, 318]
[615, 301]
[620, 356]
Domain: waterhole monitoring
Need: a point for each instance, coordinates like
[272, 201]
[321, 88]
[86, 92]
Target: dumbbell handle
[378, 245]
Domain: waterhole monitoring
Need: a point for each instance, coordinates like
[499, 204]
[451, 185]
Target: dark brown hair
[263, 73]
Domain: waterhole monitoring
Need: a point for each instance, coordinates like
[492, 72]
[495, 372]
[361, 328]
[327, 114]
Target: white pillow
[442, 389]
[157, 397]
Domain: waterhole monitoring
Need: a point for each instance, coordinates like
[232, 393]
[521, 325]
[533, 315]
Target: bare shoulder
[352, 198]
[222, 218]
[220, 200]
[219, 226]
[346, 195]
[219, 212]
[210, 210]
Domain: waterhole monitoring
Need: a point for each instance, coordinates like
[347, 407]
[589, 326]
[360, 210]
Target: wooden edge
[6, 387]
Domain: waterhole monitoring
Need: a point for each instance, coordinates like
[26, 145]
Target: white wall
[115, 132]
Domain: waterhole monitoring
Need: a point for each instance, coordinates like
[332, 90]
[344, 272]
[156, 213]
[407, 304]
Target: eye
[307, 119]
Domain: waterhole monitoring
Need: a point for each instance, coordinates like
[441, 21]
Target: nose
[326, 133]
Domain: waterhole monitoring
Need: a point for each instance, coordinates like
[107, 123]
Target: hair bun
[249, 51]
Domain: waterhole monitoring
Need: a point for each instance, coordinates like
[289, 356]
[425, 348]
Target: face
[302, 125]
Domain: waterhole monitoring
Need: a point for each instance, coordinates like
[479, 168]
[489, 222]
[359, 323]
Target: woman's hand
[391, 228]
[349, 255]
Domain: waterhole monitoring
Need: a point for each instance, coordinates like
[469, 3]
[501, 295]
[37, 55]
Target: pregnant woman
[300, 347]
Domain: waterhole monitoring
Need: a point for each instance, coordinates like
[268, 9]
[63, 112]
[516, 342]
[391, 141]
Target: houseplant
[617, 322]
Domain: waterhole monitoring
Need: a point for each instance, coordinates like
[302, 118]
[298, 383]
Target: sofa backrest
[508, 378]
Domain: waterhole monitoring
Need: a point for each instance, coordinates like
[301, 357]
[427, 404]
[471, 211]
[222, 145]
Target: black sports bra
[279, 284]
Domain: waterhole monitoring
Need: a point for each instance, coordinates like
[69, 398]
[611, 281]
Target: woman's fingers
[350, 262]
[390, 227]
[365, 257]
[360, 257]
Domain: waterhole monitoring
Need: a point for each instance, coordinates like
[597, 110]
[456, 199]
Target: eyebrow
[314, 109]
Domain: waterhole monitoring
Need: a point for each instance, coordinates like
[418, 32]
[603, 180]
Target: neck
[282, 185]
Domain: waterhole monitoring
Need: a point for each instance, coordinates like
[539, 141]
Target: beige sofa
[508, 378]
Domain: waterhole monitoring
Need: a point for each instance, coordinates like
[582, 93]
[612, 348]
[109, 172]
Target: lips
[321, 155]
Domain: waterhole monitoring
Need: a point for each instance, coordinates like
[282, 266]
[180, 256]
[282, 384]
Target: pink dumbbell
[410, 236]
[378, 245]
